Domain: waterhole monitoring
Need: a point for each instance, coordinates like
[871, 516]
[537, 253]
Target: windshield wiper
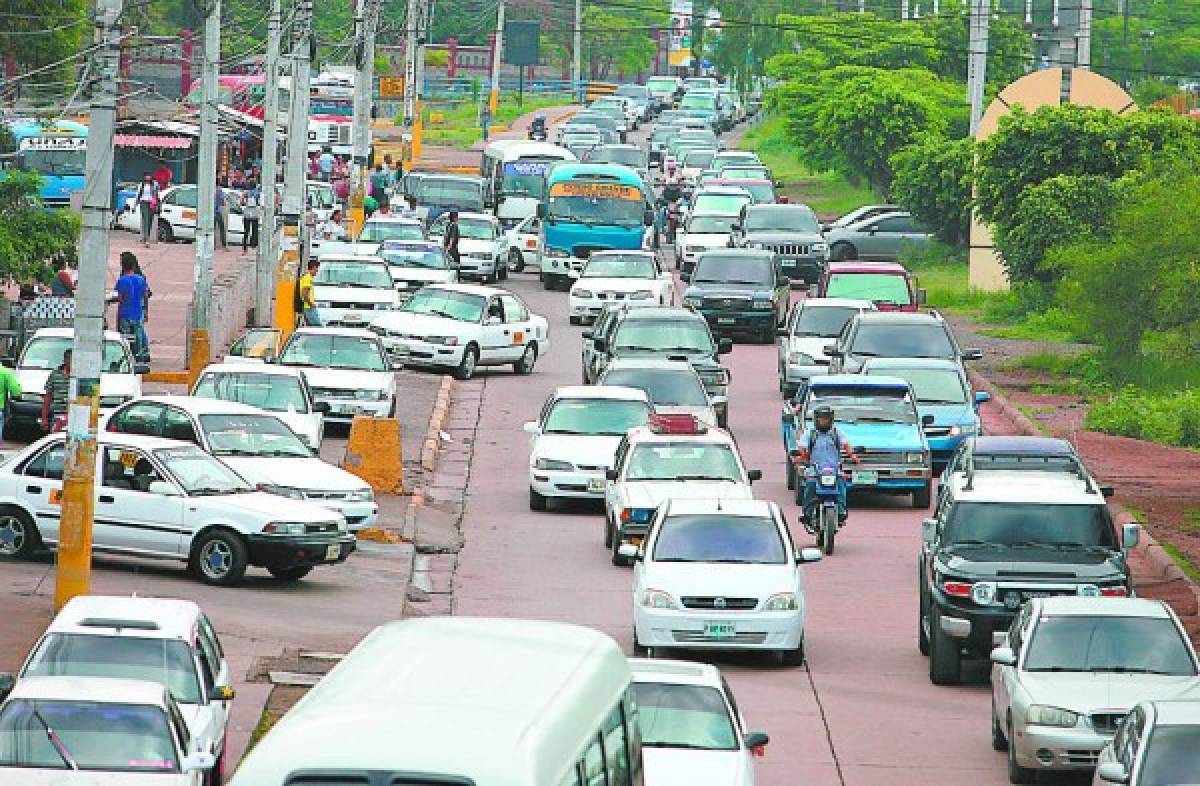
[59, 748]
[1134, 670]
[300, 363]
[444, 314]
[212, 491]
[939, 401]
[975, 544]
[705, 477]
[876, 419]
[237, 452]
[568, 432]
[685, 745]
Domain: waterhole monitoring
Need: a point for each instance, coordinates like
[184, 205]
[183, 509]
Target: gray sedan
[880, 237]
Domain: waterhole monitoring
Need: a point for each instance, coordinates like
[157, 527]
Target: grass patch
[1191, 520]
[942, 272]
[265, 722]
[1053, 326]
[1138, 514]
[1185, 564]
[1170, 418]
[459, 124]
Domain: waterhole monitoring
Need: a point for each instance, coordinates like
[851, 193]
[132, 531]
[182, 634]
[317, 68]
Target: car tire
[723, 419]
[638, 650]
[791, 474]
[547, 282]
[792, 658]
[575, 320]
[537, 502]
[501, 272]
[219, 557]
[470, 361]
[1017, 773]
[216, 776]
[922, 497]
[528, 360]
[922, 634]
[516, 262]
[999, 741]
[19, 536]
[945, 661]
[165, 233]
[842, 251]
[608, 532]
[290, 574]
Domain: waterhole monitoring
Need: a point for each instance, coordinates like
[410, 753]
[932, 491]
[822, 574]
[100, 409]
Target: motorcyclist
[672, 187]
[537, 130]
[823, 444]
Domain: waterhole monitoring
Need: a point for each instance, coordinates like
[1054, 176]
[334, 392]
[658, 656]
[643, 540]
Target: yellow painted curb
[378, 535]
[375, 454]
[166, 377]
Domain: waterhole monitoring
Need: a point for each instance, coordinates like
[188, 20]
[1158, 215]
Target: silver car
[1158, 744]
[879, 237]
[812, 324]
[1073, 667]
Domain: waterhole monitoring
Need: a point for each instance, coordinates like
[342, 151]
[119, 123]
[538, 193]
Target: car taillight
[959, 589]
[1114, 592]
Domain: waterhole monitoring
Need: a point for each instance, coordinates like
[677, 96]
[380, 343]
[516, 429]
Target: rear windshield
[1029, 525]
[663, 335]
[902, 341]
[822, 322]
[165, 661]
[887, 288]
[665, 387]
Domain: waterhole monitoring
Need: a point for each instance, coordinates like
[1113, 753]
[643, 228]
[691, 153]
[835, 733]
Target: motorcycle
[537, 131]
[821, 516]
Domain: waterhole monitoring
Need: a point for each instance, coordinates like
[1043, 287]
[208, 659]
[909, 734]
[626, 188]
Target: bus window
[615, 749]
[633, 731]
[593, 764]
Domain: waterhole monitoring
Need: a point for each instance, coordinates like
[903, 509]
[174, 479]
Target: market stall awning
[148, 140]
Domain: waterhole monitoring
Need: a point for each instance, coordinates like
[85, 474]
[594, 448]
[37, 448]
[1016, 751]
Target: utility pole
[411, 24]
[366, 20]
[199, 352]
[294, 212]
[424, 17]
[904, 10]
[1083, 37]
[267, 254]
[977, 59]
[577, 51]
[74, 558]
[497, 56]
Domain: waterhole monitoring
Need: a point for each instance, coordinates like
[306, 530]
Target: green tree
[618, 39]
[35, 34]
[933, 181]
[1010, 48]
[30, 235]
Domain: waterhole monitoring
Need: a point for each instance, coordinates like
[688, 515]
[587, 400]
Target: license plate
[726, 321]
[332, 552]
[596, 484]
[636, 539]
[353, 316]
[719, 630]
[864, 477]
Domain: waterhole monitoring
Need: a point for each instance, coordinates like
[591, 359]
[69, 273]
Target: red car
[886, 284]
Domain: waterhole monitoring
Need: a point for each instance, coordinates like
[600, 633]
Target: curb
[1006, 407]
[437, 422]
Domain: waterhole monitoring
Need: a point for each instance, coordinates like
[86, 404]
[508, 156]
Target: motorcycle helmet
[823, 417]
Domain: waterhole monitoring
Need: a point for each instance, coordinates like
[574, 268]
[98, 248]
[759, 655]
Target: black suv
[659, 331]
[892, 334]
[1016, 518]
[741, 291]
[790, 231]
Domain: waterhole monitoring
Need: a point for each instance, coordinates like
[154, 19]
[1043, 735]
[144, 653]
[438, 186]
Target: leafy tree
[618, 39]
[30, 235]
[37, 33]
[933, 181]
[1010, 48]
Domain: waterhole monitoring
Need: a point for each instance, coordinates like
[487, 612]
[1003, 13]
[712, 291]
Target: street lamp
[1147, 51]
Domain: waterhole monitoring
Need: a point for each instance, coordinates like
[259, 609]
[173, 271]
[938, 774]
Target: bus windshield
[595, 203]
[525, 177]
[53, 162]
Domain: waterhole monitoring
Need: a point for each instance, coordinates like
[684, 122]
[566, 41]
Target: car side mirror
[929, 530]
[8, 681]
[982, 397]
[1130, 534]
[754, 474]
[610, 474]
[1004, 656]
[969, 354]
[724, 346]
[755, 741]
[1112, 772]
[926, 420]
[922, 296]
[808, 555]
[224, 692]
[1107, 491]
[163, 489]
[630, 551]
[531, 427]
[198, 761]
[321, 406]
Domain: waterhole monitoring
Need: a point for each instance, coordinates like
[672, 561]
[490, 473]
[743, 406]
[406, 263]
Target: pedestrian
[10, 390]
[132, 297]
[313, 168]
[332, 229]
[485, 119]
[54, 400]
[325, 164]
[63, 283]
[219, 217]
[251, 205]
[369, 206]
[379, 184]
[450, 239]
[163, 176]
[410, 208]
[147, 202]
[308, 294]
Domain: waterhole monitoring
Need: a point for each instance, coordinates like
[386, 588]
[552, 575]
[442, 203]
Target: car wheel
[638, 650]
[945, 661]
[466, 367]
[547, 282]
[608, 533]
[516, 262]
[922, 630]
[537, 502]
[792, 658]
[528, 360]
[1017, 773]
[290, 574]
[575, 320]
[19, 536]
[999, 741]
[220, 558]
[842, 251]
[723, 419]
[501, 271]
[216, 776]
[165, 233]
[791, 474]
[921, 497]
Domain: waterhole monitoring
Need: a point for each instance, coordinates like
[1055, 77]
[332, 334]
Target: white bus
[459, 701]
[514, 176]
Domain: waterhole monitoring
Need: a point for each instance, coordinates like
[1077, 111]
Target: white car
[524, 244]
[673, 386]
[730, 157]
[376, 230]
[163, 640]
[1158, 743]
[347, 368]
[170, 500]
[572, 443]
[719, 574]
[350, 291]
[720, 200]
[692, 162]
[480, 248]
[1073, 667]
[701, 233]
[281, 390]
[257, 445]
[813, 324]
[177, 214]
[322, 199]
[633, 277]
[460, 327]
[692, 731]
[98, 731]
[661, 462]
[43, 353]
[417, 263]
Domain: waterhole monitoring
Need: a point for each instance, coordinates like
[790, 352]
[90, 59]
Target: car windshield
[1172, 756]
[711, 225]
[719, 538]
[902, 341]
[379, 231]
[353, 274]
[53, 162]
[425, 258]
[694, 717]
[734, 269]
[782, 220]
[333, 351]
[865, 405]
[932, 385]
[697, 159]
[683, 461]
[525, 177]
[729, 204]
[274, 392]
[199, 473]
[1030, 525]
[633, 91]
[168, 662]
[88, 736]
[742, 172]
[476, 229]
[594, 417]
[47, 352]
[619, 266]
[662, 85]
[247, 434]
[665, 387]
[1108, 643]
[760, 193]
[663, 335]
[629, 156]
[444, 192]
[698, 101]
[447, 303]
[824, 322]
[889, 288]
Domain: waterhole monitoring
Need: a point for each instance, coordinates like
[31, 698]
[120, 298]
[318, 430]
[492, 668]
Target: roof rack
[1041, 461]
[112, 622]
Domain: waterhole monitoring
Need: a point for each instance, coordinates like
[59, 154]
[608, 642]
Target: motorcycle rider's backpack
[833, 432]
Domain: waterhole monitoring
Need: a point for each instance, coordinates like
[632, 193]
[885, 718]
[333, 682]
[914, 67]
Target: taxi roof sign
[676, 424]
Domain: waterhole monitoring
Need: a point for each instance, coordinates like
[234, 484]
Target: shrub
[933, 181]
[1169, 418]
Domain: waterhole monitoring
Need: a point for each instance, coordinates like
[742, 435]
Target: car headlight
[582, 294]
[762, 305]
[1044, 715]
[781, 601]
[914, 458]
[983, 593]
[556, 253]
[962, 431]
[800, 359]
[291, 492]
[553, 464]
[113, 401]
[370, 395]
[657, 599]
[362, 495]
[284, 528]
[695, 302]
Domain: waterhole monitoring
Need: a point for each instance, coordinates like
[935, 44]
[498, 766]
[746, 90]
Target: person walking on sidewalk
[131, 307]
[308, 294]
[10, 389]
[251, 205]
[485, 120]
[219, 218]
[379, 187]
[147, 202]
[54, 400]
[451, 238]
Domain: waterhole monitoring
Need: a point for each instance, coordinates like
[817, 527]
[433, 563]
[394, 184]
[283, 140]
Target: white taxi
[524, 244]
[349, 291]
[346, 368]
[417, 263]
[700, 233]
[460, 327]
[481, 251]
[673, 457]
[376, 230]
[278, 389]
[572, 442]
[168, 500]
[163, 640]
[632, 277]
[97, 731]
[257, 445]
[719, 574]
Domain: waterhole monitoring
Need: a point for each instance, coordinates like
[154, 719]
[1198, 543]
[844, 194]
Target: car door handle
[107, 498]
[34, 489]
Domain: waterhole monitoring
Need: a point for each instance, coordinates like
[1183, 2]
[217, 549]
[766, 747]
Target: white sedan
[701, 233]
[481, 252]
[280, 390]
[347, 368]
[719, 574]
[524, 244]
[632, 277]
[572, 444]
[460, 327]
[350, 291]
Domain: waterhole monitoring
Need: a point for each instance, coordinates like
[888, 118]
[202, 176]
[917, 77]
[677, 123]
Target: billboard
[679, 51]
[521, 42]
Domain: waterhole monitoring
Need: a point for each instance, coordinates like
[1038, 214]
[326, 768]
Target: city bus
[56, 151]
[592, 207]
[461, 700]
[514, 176]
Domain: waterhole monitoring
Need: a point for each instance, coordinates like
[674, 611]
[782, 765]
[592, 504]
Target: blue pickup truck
[878, 416]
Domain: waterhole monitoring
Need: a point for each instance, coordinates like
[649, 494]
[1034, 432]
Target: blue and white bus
[514, 176]
[56, 151]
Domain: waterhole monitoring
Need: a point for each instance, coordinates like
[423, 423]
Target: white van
[514, 176]
[501, 702]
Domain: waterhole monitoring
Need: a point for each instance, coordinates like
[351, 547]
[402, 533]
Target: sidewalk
[436, 156]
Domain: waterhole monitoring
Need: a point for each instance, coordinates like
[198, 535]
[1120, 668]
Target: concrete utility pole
[497, 56]
[74, 557]
[904, 15]
[1083, 37]
[424, 19]
[411, 24]
[267, 254]
[577, 51]
[294, 243]
[977, 59]
[206, 184]
[366, 21]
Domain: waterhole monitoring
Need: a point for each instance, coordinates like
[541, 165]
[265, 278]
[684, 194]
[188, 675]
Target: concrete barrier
[375, 454]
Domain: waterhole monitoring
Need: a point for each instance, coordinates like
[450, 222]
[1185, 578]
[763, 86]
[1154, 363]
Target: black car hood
[1032, 564]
